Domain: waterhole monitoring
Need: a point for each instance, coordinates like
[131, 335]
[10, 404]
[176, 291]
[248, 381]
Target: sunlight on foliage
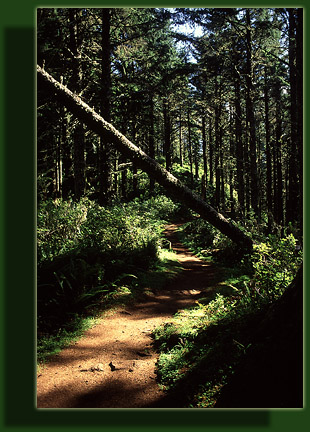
[275, 264]
[92, 257]
[202, 339]
[201, 347]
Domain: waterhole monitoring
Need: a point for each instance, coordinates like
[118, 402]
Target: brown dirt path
[113, 365]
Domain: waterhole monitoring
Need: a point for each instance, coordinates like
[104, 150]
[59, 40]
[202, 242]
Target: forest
[186, 117]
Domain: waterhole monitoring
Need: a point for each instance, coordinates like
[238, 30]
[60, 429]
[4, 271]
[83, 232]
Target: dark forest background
[220, 108]
[215, 96]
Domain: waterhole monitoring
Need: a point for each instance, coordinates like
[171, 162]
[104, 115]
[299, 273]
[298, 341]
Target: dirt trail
[113, 365]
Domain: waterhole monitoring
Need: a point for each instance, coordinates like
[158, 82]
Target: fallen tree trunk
[172, 185]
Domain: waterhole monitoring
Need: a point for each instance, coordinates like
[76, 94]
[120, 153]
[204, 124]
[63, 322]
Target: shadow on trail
[121, 338]
[104, 395]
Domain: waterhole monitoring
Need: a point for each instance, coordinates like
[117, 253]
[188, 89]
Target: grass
[48, 345]
[165, 268]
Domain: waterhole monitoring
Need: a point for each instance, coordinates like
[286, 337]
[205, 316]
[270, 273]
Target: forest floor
[114, 364]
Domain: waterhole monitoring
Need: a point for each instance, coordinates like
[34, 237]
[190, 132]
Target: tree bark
[268, 153]
[204, 156]
[180, 140]
[292, 210]
[299, 96]
[189, 145]
[172, 185]
[67, 179]
[232, 150]
[105, 151]
[278, 190]
[76, 81]
[167, 134]
[218, 145]
[152, 140]
[211, 151]
[239, 145]
[250, 117]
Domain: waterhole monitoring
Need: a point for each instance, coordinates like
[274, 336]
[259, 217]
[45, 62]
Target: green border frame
[17, 259]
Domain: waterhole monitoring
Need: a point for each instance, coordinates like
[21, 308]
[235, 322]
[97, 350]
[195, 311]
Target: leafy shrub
[272, 265]
[58, 227]
[198, 234]
[183, 173]
[201, 346]
[156, 209]
[275, 264]
[120, 232]
[86, 252]
[65, 226]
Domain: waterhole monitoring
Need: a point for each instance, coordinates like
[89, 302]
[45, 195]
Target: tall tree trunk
[251, 118]
[190, 148]
[232, 151]
[218, 145]
[278, 192]
[172, 185]
[123, 160]
[222, 181]
[196, 159]
[134, 167]
[105, 147]
[76, 80]
[211, 152]
[66, 157]
[124, 184]
[167, 134]
[239, 146]
[58, 171]
[292, 210]
[204, 156]
[299, 95]
[268, 154]
[152, 140]
[79, 162]
[181, 140]
[58, 167]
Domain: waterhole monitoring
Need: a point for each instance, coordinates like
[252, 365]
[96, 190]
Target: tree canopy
[221, 108]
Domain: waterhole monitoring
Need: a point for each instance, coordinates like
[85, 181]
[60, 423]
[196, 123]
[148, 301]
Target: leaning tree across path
[172, 185]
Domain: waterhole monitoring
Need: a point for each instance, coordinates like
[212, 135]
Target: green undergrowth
[144, 284]
[200, 348]
[93, 259]
[264, 274]
[166, 268]
[52, 344]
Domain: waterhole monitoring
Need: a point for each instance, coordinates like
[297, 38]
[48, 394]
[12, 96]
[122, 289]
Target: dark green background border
[17, 260]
